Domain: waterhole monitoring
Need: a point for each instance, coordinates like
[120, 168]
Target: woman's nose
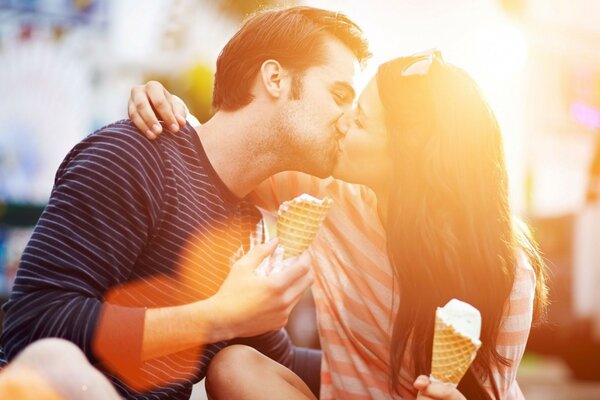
[344, 123]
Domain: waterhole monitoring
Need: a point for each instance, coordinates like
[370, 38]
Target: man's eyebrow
[347, 88]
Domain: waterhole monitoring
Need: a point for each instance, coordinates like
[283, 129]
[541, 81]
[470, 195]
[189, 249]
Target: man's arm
[246, 305]
[97, 221]
[105, 206]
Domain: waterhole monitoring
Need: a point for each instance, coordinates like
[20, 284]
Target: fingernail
[174, 127]
[150, 134]
[157, 128]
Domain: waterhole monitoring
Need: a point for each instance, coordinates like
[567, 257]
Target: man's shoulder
[123, 131]
[120, 152]
[117, 148]
[122, 139]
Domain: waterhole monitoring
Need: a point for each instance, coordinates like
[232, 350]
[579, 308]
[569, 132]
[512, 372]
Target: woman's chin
[344, 172]
[339, 169]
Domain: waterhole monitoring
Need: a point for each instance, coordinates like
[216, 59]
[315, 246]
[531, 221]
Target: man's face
[309, 117]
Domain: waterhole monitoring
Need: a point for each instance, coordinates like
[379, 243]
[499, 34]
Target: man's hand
[249, 304]
[435, 390]
[150, 100]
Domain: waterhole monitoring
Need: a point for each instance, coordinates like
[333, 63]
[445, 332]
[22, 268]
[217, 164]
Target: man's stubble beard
[301, 150]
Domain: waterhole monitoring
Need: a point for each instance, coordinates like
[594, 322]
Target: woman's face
[364, 157]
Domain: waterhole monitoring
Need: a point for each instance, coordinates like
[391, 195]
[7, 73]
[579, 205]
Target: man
[131, 260]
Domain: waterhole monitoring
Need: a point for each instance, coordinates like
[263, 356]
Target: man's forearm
[168, 330]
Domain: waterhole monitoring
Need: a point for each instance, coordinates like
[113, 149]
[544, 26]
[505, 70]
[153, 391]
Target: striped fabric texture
[131, 224]
[354, 297]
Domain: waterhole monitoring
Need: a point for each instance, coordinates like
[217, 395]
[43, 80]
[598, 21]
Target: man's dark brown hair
[293, 36]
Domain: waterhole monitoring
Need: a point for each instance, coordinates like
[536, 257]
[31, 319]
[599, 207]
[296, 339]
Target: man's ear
[274, 78]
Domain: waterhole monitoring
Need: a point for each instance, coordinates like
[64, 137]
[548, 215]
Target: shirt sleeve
[514, 330]
[104, 207]
[285, 186]
[274, 344]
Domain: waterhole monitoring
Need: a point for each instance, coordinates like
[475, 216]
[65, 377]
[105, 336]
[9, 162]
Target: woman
[425, 219]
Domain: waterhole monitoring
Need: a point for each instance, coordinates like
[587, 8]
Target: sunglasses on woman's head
[421, 62]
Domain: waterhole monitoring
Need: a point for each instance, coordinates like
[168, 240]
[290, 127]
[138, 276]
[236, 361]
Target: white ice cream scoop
[455, 341]
[465, 318]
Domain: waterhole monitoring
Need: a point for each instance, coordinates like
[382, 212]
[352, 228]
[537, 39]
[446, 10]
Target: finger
[257, 254]
[444, 391]
[297, 291]
[142, 104]
[297, 287]
[171, 120]
[300, 285]
[291, 273]
[161, 104]
[180, 110]
[421, 382]
[139, 122]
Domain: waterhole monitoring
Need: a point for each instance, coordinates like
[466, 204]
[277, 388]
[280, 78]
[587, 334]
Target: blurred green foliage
[194, 86]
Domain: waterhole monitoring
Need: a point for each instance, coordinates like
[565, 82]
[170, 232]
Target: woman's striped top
[354, 297]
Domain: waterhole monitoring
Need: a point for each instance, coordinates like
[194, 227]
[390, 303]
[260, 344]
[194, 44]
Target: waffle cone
[452, 355]
[298, 225]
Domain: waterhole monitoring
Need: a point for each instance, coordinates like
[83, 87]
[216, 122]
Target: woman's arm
[514, 329]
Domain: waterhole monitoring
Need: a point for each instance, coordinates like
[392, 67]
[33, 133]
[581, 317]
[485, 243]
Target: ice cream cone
[299, 221]
[453, 353]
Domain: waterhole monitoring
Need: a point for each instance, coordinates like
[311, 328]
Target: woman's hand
[149, 102]
[436, 390]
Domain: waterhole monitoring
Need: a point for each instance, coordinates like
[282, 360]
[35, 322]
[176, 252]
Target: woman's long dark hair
[450, 233]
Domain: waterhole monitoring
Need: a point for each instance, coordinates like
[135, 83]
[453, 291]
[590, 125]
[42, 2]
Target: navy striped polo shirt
[131, 224]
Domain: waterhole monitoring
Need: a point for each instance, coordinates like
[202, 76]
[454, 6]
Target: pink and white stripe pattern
[354, 297]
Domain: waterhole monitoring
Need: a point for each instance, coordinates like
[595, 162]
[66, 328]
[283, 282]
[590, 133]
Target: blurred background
[67, 66]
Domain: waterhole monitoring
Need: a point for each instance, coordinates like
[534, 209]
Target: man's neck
[236, 144]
